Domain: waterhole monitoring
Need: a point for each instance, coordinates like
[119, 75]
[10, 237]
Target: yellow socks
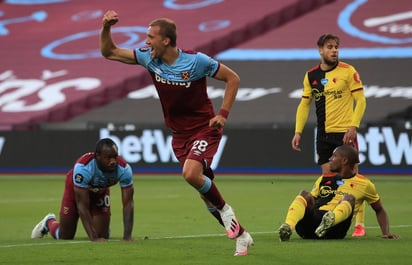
[296, 211]
[342, 211]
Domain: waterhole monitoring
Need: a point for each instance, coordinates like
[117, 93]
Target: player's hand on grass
[391, 236]
[129, 238]
[100, 239]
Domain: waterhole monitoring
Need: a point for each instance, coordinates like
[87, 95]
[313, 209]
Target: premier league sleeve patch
[78, 178]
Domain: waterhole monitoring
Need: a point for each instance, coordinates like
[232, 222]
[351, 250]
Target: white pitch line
[66, 242]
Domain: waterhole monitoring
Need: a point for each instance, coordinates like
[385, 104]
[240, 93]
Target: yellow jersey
[335, 93]
[329, 190]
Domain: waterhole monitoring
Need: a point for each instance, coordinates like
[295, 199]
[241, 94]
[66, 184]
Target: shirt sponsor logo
[163, 80]
[325, 191]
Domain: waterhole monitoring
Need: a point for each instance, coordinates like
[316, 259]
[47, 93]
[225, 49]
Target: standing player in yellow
[335, 86]
[326, 211]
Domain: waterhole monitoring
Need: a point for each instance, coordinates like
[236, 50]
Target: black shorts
[325, 144]
[306, 227]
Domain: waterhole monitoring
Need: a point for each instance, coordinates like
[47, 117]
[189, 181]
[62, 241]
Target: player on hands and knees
[87, 196]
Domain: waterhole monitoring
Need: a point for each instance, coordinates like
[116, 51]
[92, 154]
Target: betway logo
[173, 83]
[373, 144]
[380, 145]
[152, 146]
[2, 141]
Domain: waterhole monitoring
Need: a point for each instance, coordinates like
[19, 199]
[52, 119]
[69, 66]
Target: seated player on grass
[326, 212]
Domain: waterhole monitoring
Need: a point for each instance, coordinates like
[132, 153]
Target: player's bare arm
[383, 220]
[128, 212]
[232, 81]
[83, 202]
[107, 46]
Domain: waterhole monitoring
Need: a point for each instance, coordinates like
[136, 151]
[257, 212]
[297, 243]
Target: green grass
[173, 227]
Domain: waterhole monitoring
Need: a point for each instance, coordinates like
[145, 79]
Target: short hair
[350, 153]
[326, 37]
[104, 142]
[167, 29]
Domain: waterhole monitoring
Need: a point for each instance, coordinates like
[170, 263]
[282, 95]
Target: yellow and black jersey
[335, 92]
[329, 190]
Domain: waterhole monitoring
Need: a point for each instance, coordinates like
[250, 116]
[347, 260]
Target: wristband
[224, 113]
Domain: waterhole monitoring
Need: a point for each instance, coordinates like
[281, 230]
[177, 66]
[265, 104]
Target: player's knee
[190, 175]
[350, 198]
[305, 194]
[308, 197]
[66, 236]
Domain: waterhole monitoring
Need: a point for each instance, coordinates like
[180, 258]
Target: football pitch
[172, 226]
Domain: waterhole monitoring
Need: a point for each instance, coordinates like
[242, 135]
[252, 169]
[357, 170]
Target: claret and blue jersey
[182, 87]
[87, 175]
